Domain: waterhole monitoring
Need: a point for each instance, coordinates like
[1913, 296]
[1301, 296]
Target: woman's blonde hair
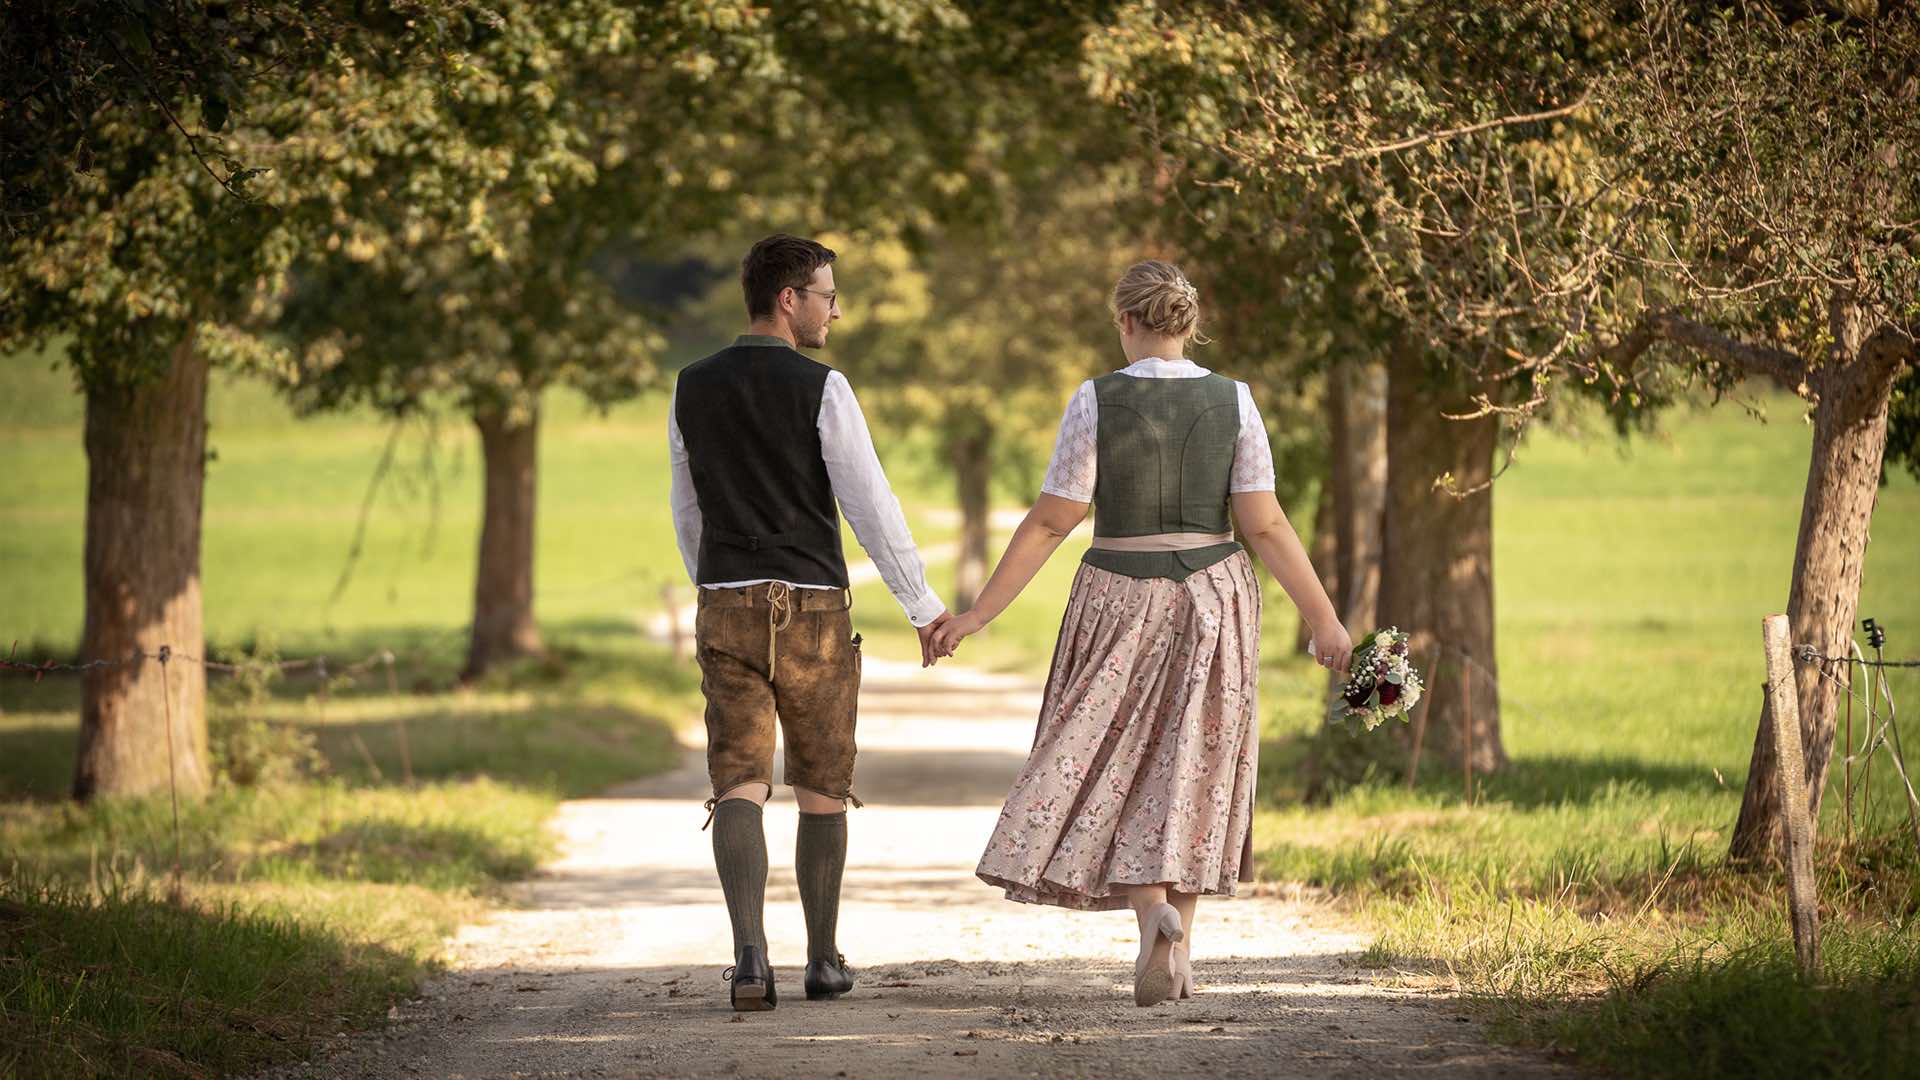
[1161, 297]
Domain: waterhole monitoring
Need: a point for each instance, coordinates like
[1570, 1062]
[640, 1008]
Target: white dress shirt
[859, 485]
[1070, 474]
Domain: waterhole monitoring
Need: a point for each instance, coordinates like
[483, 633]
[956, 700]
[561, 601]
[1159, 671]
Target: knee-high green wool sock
[740, 854]
[819, 857]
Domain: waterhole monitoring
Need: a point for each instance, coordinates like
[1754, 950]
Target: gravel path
[609, 964]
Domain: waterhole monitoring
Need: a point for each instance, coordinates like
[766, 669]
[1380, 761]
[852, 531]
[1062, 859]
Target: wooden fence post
[1796, 825]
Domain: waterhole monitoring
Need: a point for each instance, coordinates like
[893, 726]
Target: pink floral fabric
[1142, 768]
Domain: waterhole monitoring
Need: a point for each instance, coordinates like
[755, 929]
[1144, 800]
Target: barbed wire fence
[1882, 723]
[1882, 730]
[166, 656]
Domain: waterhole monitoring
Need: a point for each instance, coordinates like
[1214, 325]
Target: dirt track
[610, 964]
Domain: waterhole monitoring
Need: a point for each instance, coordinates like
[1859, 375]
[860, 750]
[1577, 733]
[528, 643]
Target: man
[764, 442]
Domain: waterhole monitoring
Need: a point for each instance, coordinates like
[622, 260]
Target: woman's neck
[1158, 348]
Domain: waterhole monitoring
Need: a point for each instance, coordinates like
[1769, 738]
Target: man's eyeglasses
[832, 297]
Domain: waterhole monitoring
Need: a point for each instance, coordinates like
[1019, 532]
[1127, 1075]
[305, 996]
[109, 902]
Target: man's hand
[927, 653]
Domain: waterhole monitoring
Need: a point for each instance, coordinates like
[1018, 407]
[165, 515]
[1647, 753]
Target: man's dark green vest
[1165, 450]
[750, 418]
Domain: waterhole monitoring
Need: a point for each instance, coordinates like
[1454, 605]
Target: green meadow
[1581, 898]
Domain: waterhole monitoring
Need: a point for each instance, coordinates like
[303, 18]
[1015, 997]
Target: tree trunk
[973, 470]
[1436, 582]
[1437, 578]
[1360, 493]
[1849, 436]
[1347, 522]
[146, 447]
[1322, 551]
[503, 625]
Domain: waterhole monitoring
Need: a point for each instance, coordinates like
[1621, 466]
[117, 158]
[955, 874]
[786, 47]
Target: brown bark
[1849, 437]
[503, 625]
[1437, 572]
[1436, 583]
[973, 471]
[146, 447]
[1346, 530]
[1323, 553]
[1360, 494]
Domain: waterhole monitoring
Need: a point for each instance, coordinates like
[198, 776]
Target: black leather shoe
[828, 979]
[752, 981]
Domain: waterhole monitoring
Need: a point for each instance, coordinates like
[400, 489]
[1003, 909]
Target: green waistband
[1172, 565]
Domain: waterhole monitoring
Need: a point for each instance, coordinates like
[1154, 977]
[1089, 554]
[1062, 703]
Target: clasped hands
[943, 635]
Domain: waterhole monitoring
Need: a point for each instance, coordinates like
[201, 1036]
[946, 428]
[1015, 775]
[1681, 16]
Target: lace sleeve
[1252, 454]
[1070, 474]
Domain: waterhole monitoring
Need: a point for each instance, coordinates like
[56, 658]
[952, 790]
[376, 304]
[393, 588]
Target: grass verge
[305, 907]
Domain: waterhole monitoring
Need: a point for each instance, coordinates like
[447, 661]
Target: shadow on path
[1265, 1016]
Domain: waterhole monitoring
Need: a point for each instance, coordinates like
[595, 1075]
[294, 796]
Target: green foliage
[607, 124]
[1525, 184]
[1269, 122]
[66, 69]
[978, 200]
[1903, 426]
[1797, 188]
[986, 349]
[371, 156]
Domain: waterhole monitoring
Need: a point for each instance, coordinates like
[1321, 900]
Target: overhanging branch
[1378, 150]
[1786, 368]
[1891, 345]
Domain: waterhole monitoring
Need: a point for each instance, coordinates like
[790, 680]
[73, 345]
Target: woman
[1139, 789]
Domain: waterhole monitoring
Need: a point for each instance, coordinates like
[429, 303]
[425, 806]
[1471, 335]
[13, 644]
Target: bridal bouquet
[1381, 683]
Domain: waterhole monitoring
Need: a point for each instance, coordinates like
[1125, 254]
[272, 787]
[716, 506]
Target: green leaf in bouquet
[1394, 678]
[1366, 641]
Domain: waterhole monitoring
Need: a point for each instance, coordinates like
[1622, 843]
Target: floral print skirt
[1142, 768]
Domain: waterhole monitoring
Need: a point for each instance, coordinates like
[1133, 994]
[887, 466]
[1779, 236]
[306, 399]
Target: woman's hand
[948, 637]
[1332, 646]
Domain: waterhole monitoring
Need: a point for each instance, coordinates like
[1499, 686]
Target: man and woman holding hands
[1138, 790]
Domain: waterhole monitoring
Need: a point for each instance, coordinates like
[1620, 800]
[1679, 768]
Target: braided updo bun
[1160, 297]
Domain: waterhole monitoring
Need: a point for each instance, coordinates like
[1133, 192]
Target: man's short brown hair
[776, 263]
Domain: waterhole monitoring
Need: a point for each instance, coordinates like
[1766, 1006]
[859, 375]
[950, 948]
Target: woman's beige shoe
[1153, 975]
[1182, 972]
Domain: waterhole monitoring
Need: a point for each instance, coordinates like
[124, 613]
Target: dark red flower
[1389, 693]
